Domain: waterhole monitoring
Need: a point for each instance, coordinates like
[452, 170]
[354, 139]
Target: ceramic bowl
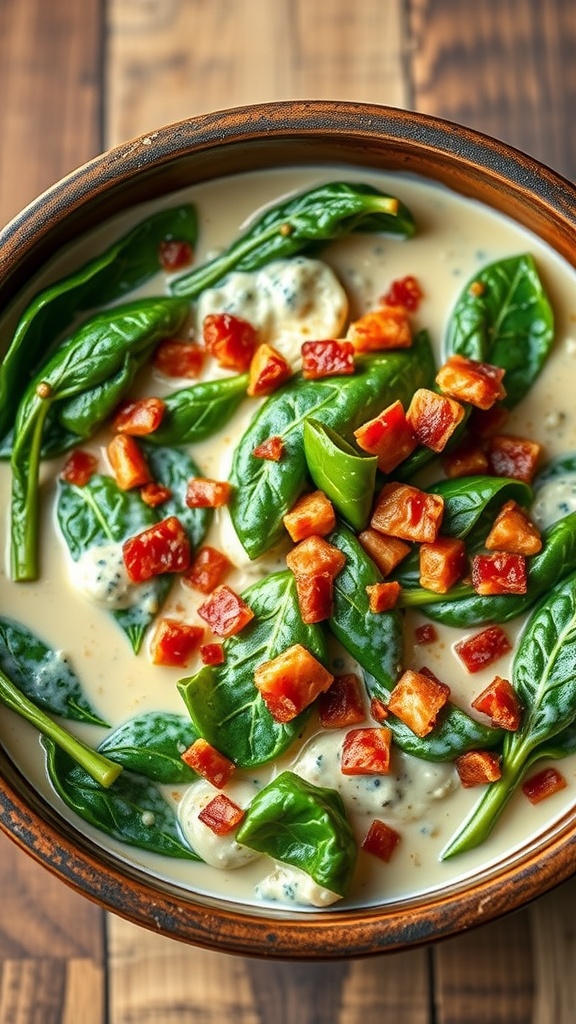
[283, 134]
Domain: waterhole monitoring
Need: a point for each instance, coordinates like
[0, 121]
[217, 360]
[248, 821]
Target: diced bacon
[385, 552]
[383, 596]
[389, 436]
[516, 457]
[381, 840]
[174, 642]
[479, 384]
[514, 531]
[378, 710]
[433, 418]
[207, 570]
[127, 462]
[290, 682]
[182, 359]
[442, 563]
[477, 767]
[366, 751]
[341, 706]
[174, 254]
[406, 512]
[315, 555]
[313, 514]
[230, 339]
[203, 758]
[385, 328]
[79, 467]
[139, 417]
[499, 573]
[315, 596]
[268, 370]
[204, 493]
[483, 648]
[467, 459]
[225, 612]
[417, 699]
[425, 634]
[483, 423]
[327, 359]
[222, 816]
[405, 292]
[213, 654]
[499, 701]
[163, 547]
[271, 449]
[544, 784]
[154, 494]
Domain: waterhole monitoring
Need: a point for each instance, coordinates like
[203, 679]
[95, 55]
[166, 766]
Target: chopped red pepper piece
[405, 292]
[442, 563]
[161, 548]
[514, 531]
[466, 460]
[268, 370]
[79, 467]
[366, 751]
[516, 457]
[384, 328]
[425, 634]
[225, 612]
[471, 381]
[213, 654]
[482, 649]
[433, 418]
[128, 463]
[207, 570]
[271, 449]
[313, 514]
[221, 815]
[416, 700]
[174, 254]
[389, 436]
[341, 705]
[327, 359]
[179, 359]
[230, 339]
[500, 702]
[315, 596]
[203, 758]
[383, 596]
[406, 512]
[544, 784]
[477, 767]
[174, 642]
[154, 494]
[315, 555]
[381, 840]
[204, 493]
[500, 573]
[385, 552]
[139, 417]
[290, 682]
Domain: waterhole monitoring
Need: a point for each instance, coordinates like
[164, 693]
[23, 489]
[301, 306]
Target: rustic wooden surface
[76, 78]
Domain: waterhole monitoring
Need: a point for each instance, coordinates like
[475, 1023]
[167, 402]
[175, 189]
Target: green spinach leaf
[151, 745]
[195, 413]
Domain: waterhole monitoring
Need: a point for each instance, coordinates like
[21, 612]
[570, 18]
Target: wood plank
[51, 991]
[554, 942]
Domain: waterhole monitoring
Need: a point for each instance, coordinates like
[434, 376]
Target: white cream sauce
[455, 238]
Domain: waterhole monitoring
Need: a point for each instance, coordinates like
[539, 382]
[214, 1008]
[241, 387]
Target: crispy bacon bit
[477, 767]
[406, 512]
[174, 254]
[500, 573]
[383, 596]
[381, 840]
[482, 649]
[442, 563]
[389, 436]
[378, 710]
[315, 596]
[139, 417]
[213, 654]
[511, 456]
[405, 292]
[290, 682]
[204, 493]
[179, 359]
[208, 569]
[230, 339]
[154, 494]
[341, 705]
[500, 702]
[79, 467]
[225, 612]
[174, 642]
[366, 751]
[416, 700]
[271, 449]
[485, 422]
[425, 634]
[544, 784]
[127, 462]
[313, 514]
[471, 381]
[315, 555]
[514, 531]
[203, 758]
[221, 815]
[467, 459]
[384, 328]
[327, 359]
[268, 370]
[433, 418]
[161, 548]
[385, 552]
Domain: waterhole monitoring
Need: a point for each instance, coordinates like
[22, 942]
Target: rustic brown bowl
[281, 134]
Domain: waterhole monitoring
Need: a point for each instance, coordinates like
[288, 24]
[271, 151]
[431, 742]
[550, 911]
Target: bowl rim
[24, 816]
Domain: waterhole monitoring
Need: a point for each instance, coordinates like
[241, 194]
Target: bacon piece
[381, 840]
[222, 816]
[500, 573]
[416, 700]
[406, 512]
[466, 460]
[315, 596]
[315, 555]
[405, 292]
[79, 467]
[389, 436]
[516, 457]
[385, 552]
[471, 381]
[499, 701]
[207, 570]
[483, 648]
[544, 784]
[128, 463]
[477, 767]
[271, 449]
[230, 339]
[383, 596]
[313, 514]
[378, 710]
[425, 634]
[483, 423]
[140, 417]
[154, 494]
[213, 654]
[202, 492]
[433, 418]
[341, 705]
[330, 358]
[225, 612]
[442, 563]
[514, 531]
[182, 359]
[203, 758]
[366, 751]
[174, 254]
[385, 328]
[290, 682]
[163, 547]
[268, 370]
[174, 642]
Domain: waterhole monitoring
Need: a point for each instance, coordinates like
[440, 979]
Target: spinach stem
[26, 456]
[480, 823]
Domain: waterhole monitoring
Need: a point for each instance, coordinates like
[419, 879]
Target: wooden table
[78, 77]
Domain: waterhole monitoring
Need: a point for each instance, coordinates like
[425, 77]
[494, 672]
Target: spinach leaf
[151, 745]
[223, 702]
[266, 490]
[195, 413]
[346, 477]
[173, 468]
[505, 319]
[132, 810]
